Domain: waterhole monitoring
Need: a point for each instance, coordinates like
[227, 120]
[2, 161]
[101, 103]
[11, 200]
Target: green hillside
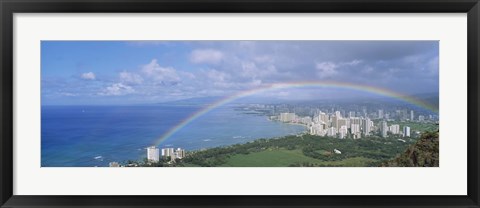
[424, 153]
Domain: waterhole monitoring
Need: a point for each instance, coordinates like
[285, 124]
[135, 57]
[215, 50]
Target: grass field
[284, 158]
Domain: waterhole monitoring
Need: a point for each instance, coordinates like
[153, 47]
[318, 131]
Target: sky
[142, 72]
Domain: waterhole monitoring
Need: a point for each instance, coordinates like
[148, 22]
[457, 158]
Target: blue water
[87, 136]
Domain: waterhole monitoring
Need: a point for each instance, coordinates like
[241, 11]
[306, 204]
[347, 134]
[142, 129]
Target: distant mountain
[426, 95]
[424, 153]
[430, 98]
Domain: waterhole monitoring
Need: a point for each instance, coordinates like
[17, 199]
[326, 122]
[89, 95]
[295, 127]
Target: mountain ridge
[424, 153]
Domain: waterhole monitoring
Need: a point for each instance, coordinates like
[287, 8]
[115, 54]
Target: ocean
[89, 136]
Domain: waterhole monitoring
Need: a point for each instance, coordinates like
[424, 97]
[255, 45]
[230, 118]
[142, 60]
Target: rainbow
[276, 86]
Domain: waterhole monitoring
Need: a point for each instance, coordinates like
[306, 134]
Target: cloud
[255, 83]
[264, 59]
[252, 70]
[353, 62]
[117, 89]
[433, 65]
[330, 69]
[326, 69]
[159, 73]
[68, 94]
[368, 70]
[219, 68]
[216, 75]
[88, 76]
[187, 75]
[206, 56]
[130, 78]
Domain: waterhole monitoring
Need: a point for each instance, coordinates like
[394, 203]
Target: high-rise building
[406, 131]
[306, 120]
[355, 128]
[312, 130]
[421, 118]
[367, 126]
[404, 114]
[380, 114]
[153, 154]
[342, 122]
[332, 131]
[173, 153]
[384, 129]
[180, 153]
[335, 121]
[173, 157]
[317, 129]
[338, 114]
[356, 120]
[411, 115]
[323, 117]
[395, 129]
[166, 152]
[351, 114]
[287, 117]
[342, 132]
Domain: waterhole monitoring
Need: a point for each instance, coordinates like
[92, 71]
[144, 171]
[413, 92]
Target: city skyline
[123, 72]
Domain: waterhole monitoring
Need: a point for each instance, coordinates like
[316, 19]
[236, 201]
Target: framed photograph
[239, 103]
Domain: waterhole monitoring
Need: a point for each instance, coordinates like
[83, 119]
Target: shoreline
[291, 123]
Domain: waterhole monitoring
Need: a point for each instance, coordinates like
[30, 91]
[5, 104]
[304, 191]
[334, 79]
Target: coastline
[298, 124]
[291, 123]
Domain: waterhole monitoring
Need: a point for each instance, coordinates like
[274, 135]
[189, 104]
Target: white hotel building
[406, 131]
[173, 154]
[153, 154]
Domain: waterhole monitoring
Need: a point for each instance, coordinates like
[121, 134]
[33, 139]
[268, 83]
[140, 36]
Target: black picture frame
[10, 7]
